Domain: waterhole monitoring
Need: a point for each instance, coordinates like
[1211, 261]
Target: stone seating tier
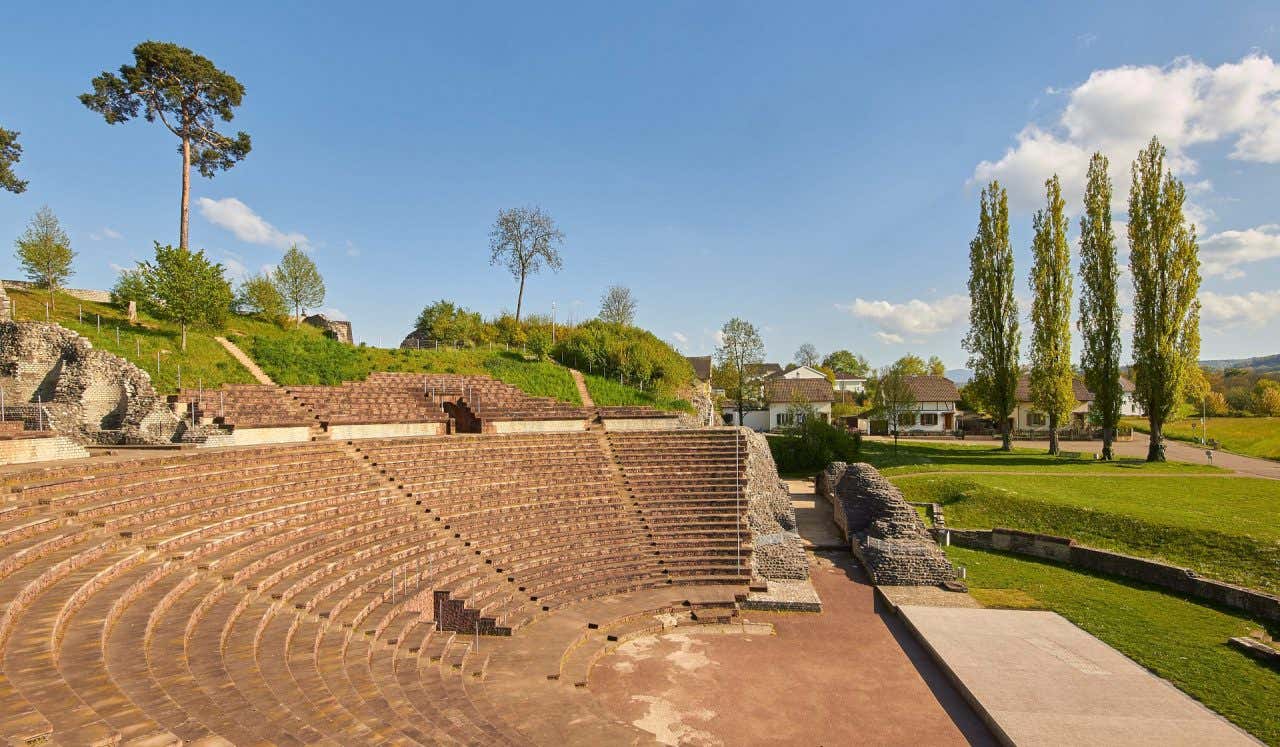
[310, 593]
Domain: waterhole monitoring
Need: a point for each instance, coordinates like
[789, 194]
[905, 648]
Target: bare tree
[525, 239]
[807, 355]
[618, 305]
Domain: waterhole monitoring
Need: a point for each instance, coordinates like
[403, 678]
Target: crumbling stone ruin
[338, 329]
[77, 390]
[884, 531]
[778, 551]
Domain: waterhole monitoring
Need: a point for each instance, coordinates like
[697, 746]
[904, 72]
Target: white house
[783, 394]
[780, 392]
[935, 407]
[847, 382]
[1027, 417]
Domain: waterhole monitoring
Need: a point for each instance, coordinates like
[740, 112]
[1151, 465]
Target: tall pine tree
[1099, 322]
[993, 337]
[1051, 376]
[1164, 260]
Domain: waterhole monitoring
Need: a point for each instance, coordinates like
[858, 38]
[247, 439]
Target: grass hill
[204, 363]
[298, 355]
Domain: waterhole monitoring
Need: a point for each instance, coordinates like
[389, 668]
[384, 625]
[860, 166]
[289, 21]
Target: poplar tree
[1164, 259]
[1099, 322]
[993, 338]
[1051, 377]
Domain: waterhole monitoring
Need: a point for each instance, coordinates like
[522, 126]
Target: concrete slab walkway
[1037, 679]
[580, 382]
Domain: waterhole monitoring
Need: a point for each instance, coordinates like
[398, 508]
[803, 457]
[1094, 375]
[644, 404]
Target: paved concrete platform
[1037, 679]
[851, 674]
[813, 518]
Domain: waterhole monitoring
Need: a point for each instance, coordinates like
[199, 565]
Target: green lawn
[1181, 641]
[1252, 436]
[606, 392]
[945, 456]
[204, 363]
[319, 360]
[1223, 527]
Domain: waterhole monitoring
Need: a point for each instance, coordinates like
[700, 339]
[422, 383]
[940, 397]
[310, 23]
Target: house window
[1035, 419]
[928, 418]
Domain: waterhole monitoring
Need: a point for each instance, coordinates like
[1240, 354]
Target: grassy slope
[1223, 527]
[317, 360]
[1259, 437]
[606, 392]
[204, 363]
[1179, 640]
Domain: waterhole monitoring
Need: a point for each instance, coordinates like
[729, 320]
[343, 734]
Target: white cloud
[680, 337]
[1252, 309]
[235, 269]
[248, 226]
[914, 319]
[352, 250]
[106, 232]
[1117, 110]
[1223, 253]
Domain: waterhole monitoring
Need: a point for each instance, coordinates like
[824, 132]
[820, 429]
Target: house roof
[763, 370]
[933, 388]
[781, 390]
[846, 376]
[1023, 392]
[701, 366]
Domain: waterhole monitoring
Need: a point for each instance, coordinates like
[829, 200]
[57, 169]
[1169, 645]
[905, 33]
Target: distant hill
[1260, 364]
[960, 376]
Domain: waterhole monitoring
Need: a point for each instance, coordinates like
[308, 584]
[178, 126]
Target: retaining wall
[256, 436]
[641, 424]
[1174, 578]
[386, 430]
[534, 426]
[24, 450]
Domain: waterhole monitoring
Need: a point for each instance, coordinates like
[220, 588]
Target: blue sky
[811, 168]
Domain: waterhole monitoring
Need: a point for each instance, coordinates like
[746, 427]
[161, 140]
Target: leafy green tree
[10, 154]
[1099, 322]
[846, 362]
[911, 365]
[260, 296]
[132, 286]
[299, 281]
[1164, 260]
[993, 338]
[936, 366]
[1051, 378]
[187, 288]
[738, 358]
[1269, 401]
[1215, 404]
[525, 240]
[187, 93]
[449, 323]
[44, 251]
[807, 355]
[894, 398]
[618, 305]
[539, 343]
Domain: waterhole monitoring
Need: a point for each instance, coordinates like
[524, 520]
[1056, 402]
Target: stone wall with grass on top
[89, 394]
[883, 530]
[777, 550]
[1174, 578]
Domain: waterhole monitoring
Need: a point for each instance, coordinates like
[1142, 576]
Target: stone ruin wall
[777, 550]
[90, 395]
[884, 531]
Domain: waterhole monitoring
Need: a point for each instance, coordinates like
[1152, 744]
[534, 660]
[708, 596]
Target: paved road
[1174, 450]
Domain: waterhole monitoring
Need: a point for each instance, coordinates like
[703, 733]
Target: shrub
[539, 343]
[813, 445]
[613, 350]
